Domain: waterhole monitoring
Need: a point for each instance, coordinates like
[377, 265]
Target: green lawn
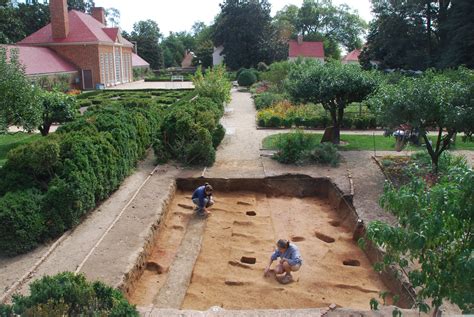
[360, 142]
[12, 140]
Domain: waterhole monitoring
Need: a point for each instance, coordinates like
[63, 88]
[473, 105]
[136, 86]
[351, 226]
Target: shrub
[293, 148]
[72, 295]
[218, 135]
[267, 99]
[325, 153]
[247, 78]
[213, 84]
[191, 131]
[21, 221]
[277, 73]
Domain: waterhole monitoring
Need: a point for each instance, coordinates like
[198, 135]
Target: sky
[180, 15]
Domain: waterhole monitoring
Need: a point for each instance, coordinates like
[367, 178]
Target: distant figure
[290, 261]
[202, 198]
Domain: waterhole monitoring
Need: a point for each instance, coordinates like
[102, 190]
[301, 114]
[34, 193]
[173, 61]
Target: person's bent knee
[296, 267]
[279, 269]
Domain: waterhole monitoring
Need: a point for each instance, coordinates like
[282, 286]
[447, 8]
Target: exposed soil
[237, 243]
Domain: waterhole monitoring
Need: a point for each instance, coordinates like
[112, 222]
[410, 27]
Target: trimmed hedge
[284, 114]
[66, 294]
[66, 174]
[191, 132]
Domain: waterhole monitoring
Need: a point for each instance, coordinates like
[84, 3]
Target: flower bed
[286, 115]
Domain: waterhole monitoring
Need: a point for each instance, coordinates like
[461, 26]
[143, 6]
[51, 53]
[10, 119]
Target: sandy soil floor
[245, 224]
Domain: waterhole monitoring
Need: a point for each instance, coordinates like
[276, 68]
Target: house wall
[217, 58]
[115, 65]
[84, 57]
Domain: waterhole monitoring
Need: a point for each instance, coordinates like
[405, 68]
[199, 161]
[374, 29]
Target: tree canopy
[19, 99]
[147, 35]
[245, 30]
[442, 102]
[322, 21]
[420, 34]
[332, 84]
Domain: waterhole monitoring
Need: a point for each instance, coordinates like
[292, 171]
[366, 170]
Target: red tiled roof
[41, 60]
[137, 61]
[83, 28]
[112, 33]
[352, 56]
[306, 49]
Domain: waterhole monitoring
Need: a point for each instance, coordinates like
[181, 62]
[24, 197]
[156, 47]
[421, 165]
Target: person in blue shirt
[290, 261]
[202, 198]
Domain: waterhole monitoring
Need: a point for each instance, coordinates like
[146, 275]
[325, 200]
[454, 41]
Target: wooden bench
[177, 77]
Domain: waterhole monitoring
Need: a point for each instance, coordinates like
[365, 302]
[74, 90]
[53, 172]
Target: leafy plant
[213, 84]
[435, 232]
[293, 148]
[325, 153]
[71, 295]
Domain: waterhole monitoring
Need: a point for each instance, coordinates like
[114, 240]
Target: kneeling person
[290, 261]
[202, 198]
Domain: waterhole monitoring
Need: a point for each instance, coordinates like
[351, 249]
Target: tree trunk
[434, 155]
[44, 129]
[336, 133]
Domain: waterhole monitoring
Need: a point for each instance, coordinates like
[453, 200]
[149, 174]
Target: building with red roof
[51, 63]
[352, 57]
[301, 49]
[99, 55]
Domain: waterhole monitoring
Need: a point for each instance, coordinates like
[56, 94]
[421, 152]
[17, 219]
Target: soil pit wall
[249, 216]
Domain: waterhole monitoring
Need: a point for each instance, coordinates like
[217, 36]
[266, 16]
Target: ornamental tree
[333, 85]
[442, 102]
[434, 240]
[19, 102]
[57, 108]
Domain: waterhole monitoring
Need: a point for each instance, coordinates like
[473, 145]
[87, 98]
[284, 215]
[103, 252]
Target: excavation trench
[196, 263]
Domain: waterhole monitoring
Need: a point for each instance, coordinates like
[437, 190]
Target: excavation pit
[227, 270]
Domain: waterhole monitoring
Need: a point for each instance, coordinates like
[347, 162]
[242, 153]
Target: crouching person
[290, 261]
[202, 198]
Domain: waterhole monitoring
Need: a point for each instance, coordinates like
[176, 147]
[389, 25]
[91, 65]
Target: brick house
[99, 53]
[301, 49]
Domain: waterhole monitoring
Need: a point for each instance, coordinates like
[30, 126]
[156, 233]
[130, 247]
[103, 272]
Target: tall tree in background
[322, 21]
[459, 29]
[147, 35]
[81, 5]
[203, 44]
[113, 17]
[242, 28]
[173, 50]
[419, 34]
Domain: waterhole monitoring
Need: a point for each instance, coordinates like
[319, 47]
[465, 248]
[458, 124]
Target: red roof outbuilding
[352, 56]
[40, 60]
[306, 49]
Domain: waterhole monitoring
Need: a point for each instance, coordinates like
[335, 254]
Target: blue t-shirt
[200, 193]
[292, 254]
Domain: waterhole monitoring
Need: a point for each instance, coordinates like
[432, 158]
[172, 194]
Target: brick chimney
[99, 14]
[300, 39]
[59, 18]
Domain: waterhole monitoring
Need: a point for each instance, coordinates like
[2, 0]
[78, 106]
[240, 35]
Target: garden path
[239, 155]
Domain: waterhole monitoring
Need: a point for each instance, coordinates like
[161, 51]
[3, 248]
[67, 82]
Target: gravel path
[239, 156]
